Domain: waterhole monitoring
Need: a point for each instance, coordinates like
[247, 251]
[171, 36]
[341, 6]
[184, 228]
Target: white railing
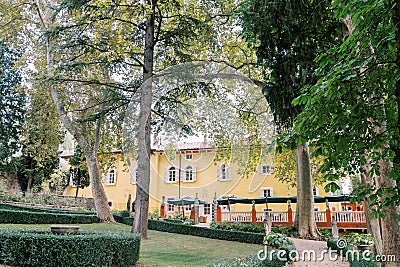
[278, 216]
[349, 216]
[282, 216]
[236, 216]
[320, 216]
[260, 216]
[243, 216]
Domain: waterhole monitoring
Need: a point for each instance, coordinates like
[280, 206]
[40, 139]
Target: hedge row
[252, 261]
[29, 217]
[42, 248]
[179, 228]
[8, 206]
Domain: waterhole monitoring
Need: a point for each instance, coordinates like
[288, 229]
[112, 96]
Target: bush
[243, 227]
[252, 261]
[30, 248]
[29, 217]
[180, 228]
[8, 206]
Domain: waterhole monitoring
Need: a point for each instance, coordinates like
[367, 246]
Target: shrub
[244, 227]
[286, 230]
[180, 228]
[281, 242]
[252, 261]
[30, 248]
[8, 206]
[27, 217]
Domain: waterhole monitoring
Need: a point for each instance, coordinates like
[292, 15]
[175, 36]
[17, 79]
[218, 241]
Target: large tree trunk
[305, 219]
[99, 195]
[143, 180]
[373, 224]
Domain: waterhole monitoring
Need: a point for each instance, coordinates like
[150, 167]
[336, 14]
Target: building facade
[193, 172]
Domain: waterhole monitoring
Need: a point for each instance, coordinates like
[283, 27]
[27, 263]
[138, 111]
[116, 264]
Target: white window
[266, 192]
[170, 207]
[170, 174]
[133, 171]
[189, 174]
[110, 177]
[189, 156]
[223, 172]
[265, 169]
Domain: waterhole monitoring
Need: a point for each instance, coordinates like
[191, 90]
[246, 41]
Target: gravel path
[320, 248]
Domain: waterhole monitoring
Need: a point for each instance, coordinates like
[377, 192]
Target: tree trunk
[99, 195]
[373, 224]
[305, 197]
[144, 131]
[390, 227]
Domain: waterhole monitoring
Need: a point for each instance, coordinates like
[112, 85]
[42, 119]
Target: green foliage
[359, 239]
[243, 227]
[287, 36]
[180, 228]
[279, 241]
[32, 171]
[41, 217]
[78, 170]
[180, 219]
[27, 217]
[352, 112]
[252, 261]
[11, 103]
[8, 206]
[30, 248]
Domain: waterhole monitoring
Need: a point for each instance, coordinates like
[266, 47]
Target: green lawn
[166, 249]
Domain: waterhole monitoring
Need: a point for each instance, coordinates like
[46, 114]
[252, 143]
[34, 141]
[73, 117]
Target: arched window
[172, 174]
[223, 172]
[189, 174]
[111, 176]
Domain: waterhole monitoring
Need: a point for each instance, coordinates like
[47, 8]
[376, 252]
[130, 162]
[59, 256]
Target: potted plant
[361, 241]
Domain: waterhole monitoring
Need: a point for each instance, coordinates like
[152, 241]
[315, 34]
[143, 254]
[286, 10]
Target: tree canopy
[12, 102]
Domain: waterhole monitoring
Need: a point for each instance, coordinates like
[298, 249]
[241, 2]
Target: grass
[167, 249]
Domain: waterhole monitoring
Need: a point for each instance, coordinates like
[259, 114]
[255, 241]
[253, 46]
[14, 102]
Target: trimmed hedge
[42, 248]
[30, 217]
[252, 261]
[179, 228]
[8, 206]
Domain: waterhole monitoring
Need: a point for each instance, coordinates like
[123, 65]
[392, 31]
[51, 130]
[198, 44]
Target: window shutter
[194, 173]
[183, 174]
[219, 172]
[166, 174]
[133, 177]
[259, 169]
[105, 178]
[228, 171]
[261, 192]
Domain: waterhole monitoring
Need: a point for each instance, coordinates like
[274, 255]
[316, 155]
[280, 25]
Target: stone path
[320, 248]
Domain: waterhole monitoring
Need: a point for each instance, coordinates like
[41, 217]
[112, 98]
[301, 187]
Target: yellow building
[200, 175]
